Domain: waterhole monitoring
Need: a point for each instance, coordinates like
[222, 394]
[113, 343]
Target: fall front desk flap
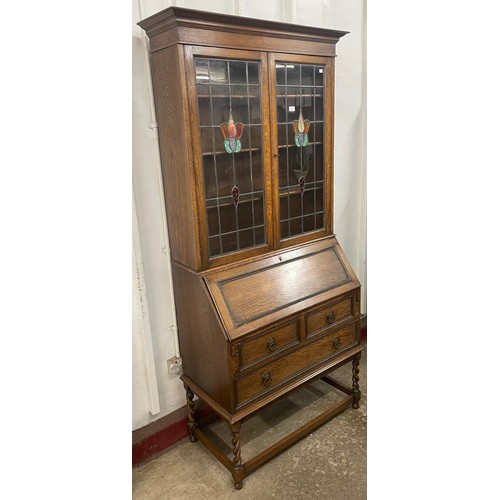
[251, 295]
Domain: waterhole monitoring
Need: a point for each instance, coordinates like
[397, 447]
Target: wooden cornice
[176, 17]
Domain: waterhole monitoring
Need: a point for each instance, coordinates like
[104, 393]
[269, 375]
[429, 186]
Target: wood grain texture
[190, 52]
[204, 350]
[174, 137]
[250, 409]
[252, 385]
[179, 25]
[270, 289]
[256, 324]
[251, 296]
[330, 314]
[272, 342]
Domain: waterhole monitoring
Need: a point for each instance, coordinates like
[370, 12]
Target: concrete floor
[328, 464]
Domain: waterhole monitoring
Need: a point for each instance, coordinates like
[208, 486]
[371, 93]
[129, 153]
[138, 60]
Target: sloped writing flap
[274, 285]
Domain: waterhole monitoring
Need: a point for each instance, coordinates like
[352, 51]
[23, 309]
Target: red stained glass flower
[232, 133]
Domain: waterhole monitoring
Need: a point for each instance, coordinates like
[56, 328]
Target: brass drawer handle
[330, 317]
[336, 343]
[267, 379]
[271, 344]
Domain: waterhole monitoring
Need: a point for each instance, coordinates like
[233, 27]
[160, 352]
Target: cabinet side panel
[171, 114]
[204, 349]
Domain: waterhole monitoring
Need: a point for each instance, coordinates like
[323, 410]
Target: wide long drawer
[275, 374]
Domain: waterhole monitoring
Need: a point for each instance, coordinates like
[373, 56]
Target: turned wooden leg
[192, 424]
[355, 381]
[237, 471]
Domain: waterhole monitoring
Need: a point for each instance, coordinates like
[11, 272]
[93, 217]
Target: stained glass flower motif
[301, 127]
[232, 133]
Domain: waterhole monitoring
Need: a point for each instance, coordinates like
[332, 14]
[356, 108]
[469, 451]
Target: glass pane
[214, 246]
[300, 111]
[229, 242]
[257, 171]
[201, 66]
[204, 110]
[238, 72]
[209, 177]
[245, 218]
[213, 221]
[318, 105]
[253, 73]
[260, 236]
[258, 210]
[318, 75]
[292, 74]
[207, 140]
[230, 117]
[218, 71]
[254, 110]
[280, 74]
[307, 73]
[281, 109]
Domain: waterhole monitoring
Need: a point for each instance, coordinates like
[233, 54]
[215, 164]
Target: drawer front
[277, 373]
[329, 315]
[269, 344]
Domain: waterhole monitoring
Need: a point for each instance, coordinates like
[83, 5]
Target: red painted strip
[160, 441]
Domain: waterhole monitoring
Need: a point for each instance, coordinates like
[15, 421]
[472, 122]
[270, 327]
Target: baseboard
[155, 438]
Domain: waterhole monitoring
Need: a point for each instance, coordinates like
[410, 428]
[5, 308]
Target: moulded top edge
[178, 16]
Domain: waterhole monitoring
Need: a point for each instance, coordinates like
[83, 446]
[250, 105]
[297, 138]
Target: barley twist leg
[355, 381]
[237, 471]
[192, 424]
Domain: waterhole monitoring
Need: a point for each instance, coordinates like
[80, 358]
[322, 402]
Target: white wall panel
[316, 13]
[350, 173]
[272, 11]
[148, 192]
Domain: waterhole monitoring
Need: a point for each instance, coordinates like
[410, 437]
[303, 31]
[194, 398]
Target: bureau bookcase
[266, 300]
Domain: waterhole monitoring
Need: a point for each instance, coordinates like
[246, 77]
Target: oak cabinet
[266, 300]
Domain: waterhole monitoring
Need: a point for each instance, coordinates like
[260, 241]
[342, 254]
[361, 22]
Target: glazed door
[301, 110]
[229, 94]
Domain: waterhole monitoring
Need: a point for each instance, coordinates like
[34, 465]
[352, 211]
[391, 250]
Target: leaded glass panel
[229, 105]
[299, 101]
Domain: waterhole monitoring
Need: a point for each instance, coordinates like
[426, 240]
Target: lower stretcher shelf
[240, 469]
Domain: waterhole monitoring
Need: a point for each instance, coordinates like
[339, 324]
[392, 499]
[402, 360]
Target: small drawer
[268, 344]
[280, 371]
[329, 315]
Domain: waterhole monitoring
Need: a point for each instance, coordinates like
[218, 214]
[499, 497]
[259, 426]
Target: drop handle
[276, 155]
[267, 379]
[330, 317]
[271, 344]
[336, 343]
